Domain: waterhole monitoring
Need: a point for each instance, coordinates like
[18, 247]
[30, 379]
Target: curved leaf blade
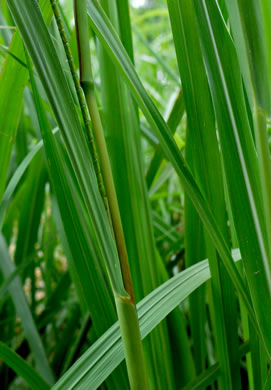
[103, 357]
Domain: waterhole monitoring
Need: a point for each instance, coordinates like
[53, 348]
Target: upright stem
[132, 344]
[87, 84]
[126, 308]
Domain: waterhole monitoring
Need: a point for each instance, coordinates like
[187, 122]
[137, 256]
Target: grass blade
[23, 311]
[77, 237]
[91, 370]
[22, 368]
[16, 179]
[108, 36]
[13, 79]
[203, 156]
[236, 142]
[122, 132]
[173, 121]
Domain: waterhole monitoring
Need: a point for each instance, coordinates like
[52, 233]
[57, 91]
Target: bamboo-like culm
[126, 307]
[87, 84]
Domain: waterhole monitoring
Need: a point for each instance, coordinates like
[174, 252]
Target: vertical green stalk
[87, 84]
[126, 308]
[125, 303]
[133, 350]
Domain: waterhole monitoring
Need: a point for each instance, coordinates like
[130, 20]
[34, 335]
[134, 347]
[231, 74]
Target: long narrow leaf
[17, 177]
[102, 358]
[13, 79]
[108, 36]
[24, 313]
[241, 167]
[44, 56]
[22, 368]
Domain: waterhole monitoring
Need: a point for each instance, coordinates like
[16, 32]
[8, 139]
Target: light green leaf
[103, 357]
